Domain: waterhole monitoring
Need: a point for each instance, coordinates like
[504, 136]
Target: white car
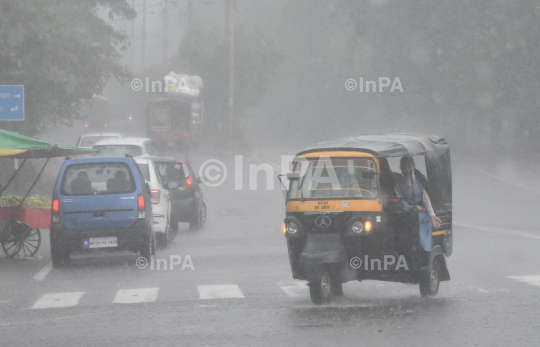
[134, 146]
[90, 139]
[161, 203]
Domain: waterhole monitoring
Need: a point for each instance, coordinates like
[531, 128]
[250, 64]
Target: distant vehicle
[185, 192]
[103, 115]
[161, 204]
[89, 140]
[174, 122]
[177, 119]
[119, 147]
[100, 203]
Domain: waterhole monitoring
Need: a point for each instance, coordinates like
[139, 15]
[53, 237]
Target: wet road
[239, 290]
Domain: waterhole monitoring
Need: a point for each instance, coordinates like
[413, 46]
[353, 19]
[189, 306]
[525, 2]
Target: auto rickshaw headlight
[292, 228]
[357, 227]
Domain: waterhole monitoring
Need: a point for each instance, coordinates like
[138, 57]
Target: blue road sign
[11, 102]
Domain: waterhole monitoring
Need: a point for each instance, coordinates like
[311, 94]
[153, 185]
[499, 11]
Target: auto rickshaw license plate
[171, 143]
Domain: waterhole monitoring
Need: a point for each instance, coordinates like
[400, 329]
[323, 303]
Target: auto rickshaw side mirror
[293, 176]
[283, 188]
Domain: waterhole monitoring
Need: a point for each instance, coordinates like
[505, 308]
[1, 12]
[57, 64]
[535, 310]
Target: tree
[470, 68]
[257, 60]
[62, 52]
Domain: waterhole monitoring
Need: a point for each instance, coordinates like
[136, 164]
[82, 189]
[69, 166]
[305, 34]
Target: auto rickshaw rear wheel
[430, 279]
[321, 289]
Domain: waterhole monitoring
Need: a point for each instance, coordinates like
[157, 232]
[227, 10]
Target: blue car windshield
[97, 178]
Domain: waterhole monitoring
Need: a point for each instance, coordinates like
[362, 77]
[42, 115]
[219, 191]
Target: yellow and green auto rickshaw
[352, 216]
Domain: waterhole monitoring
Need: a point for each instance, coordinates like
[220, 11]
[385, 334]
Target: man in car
[81, 184]
[119, 183]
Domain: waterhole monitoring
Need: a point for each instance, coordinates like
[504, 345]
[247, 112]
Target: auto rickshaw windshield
[326, 177]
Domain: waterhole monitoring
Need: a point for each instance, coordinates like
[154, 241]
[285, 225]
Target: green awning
[13, 145]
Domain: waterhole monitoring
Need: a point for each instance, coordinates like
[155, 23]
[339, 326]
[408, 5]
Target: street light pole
[190, 10]
[143, 36]
[229, 28]
[133, 36]
[166, 38]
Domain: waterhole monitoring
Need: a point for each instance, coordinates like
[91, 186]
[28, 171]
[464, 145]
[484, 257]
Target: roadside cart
[21, 234]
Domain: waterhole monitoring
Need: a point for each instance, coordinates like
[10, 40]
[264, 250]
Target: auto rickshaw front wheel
[321, 289]
[430, 279]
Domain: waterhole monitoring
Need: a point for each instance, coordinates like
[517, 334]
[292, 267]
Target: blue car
[100, 203]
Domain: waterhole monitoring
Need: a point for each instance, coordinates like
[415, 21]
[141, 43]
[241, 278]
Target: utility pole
[166, 38]
[133, 36]
[190, 11]
[229, 30]
[143, 36]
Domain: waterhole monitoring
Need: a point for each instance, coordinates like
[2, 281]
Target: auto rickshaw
[344, 222]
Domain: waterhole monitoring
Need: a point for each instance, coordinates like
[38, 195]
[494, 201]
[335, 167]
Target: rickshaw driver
[404, 189]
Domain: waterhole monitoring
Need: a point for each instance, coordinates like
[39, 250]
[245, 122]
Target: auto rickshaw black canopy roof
[384, 145]
[434, 148]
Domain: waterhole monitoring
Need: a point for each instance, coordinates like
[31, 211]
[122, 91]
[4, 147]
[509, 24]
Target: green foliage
[33, 201]
[470, 67]
[257, 61]
[62, 52]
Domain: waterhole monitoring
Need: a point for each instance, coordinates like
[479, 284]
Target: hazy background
[469, 70]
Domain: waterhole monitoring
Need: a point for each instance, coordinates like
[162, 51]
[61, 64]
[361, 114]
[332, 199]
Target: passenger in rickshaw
[387, 179]
[417, 196]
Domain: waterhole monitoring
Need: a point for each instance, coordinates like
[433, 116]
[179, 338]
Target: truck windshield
[334, 178]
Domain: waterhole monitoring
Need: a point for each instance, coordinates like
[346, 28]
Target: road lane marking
[294, 289]
[223, 291]
[52, 319]
[532, 280]
[136, 296]
[56, 300]
[43, 272]
[497, 230]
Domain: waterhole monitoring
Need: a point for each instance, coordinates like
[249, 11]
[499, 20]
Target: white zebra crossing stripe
[135, 296]
[55, 300]
[43, 272]
[224, 291]
[294, 289]
[533, 280]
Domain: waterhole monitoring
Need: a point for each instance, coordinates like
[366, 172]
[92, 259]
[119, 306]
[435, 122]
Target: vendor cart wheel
[321, 290]
[430, 279]
[19, 239]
